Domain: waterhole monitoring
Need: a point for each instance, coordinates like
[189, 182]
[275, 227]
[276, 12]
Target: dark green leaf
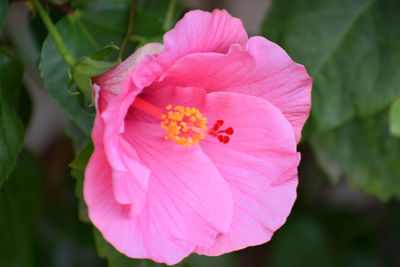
[82, 159]
[395, 118]
[20, 198]
[350, 48]
[11, 126]
[3, 12]
[364, 152]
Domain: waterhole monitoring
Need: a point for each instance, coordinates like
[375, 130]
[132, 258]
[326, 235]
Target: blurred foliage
[20, 198]
[352, 51]
[364, 151]
[11, 125]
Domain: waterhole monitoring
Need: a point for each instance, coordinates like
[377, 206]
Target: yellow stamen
[185, 126]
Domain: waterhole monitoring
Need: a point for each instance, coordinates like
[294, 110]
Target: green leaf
[20, 199]
[364, 151]
[395, 118]
[87, 68]
[3, 13]
[11, 126]
[350, 48]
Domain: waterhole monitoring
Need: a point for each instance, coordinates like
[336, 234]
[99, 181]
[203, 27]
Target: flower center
[184, 125]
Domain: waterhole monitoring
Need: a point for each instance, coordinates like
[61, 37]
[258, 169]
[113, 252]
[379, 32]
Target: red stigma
[223, 139]
[229, 131]
[221, 135]
[218, 125]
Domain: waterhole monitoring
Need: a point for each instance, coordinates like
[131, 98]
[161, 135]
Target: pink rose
[195, 142]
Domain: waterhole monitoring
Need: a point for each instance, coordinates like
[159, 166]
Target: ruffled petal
[129, 175]
[261, 69]
[111, 81]
[200, 31]
[259, 164]
[197, 32]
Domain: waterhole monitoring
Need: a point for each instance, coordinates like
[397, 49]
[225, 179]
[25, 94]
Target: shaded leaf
[350, 48]
[364, 152]
[11, 126]
[20, 198]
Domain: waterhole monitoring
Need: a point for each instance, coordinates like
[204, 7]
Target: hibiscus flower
[195, 142]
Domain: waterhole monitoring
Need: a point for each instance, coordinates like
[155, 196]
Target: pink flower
[195, 142]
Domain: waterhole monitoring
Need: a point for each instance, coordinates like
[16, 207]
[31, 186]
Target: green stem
[129, 31]
[170, 14]
[68, 58]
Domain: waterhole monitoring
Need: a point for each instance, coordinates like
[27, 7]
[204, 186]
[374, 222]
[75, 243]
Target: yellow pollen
[185, 126]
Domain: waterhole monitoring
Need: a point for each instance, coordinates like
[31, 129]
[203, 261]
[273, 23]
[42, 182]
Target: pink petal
[111, 81]
[188, 203]
[262, 69]
[198, 31]
[259, 164]
[132, 236]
